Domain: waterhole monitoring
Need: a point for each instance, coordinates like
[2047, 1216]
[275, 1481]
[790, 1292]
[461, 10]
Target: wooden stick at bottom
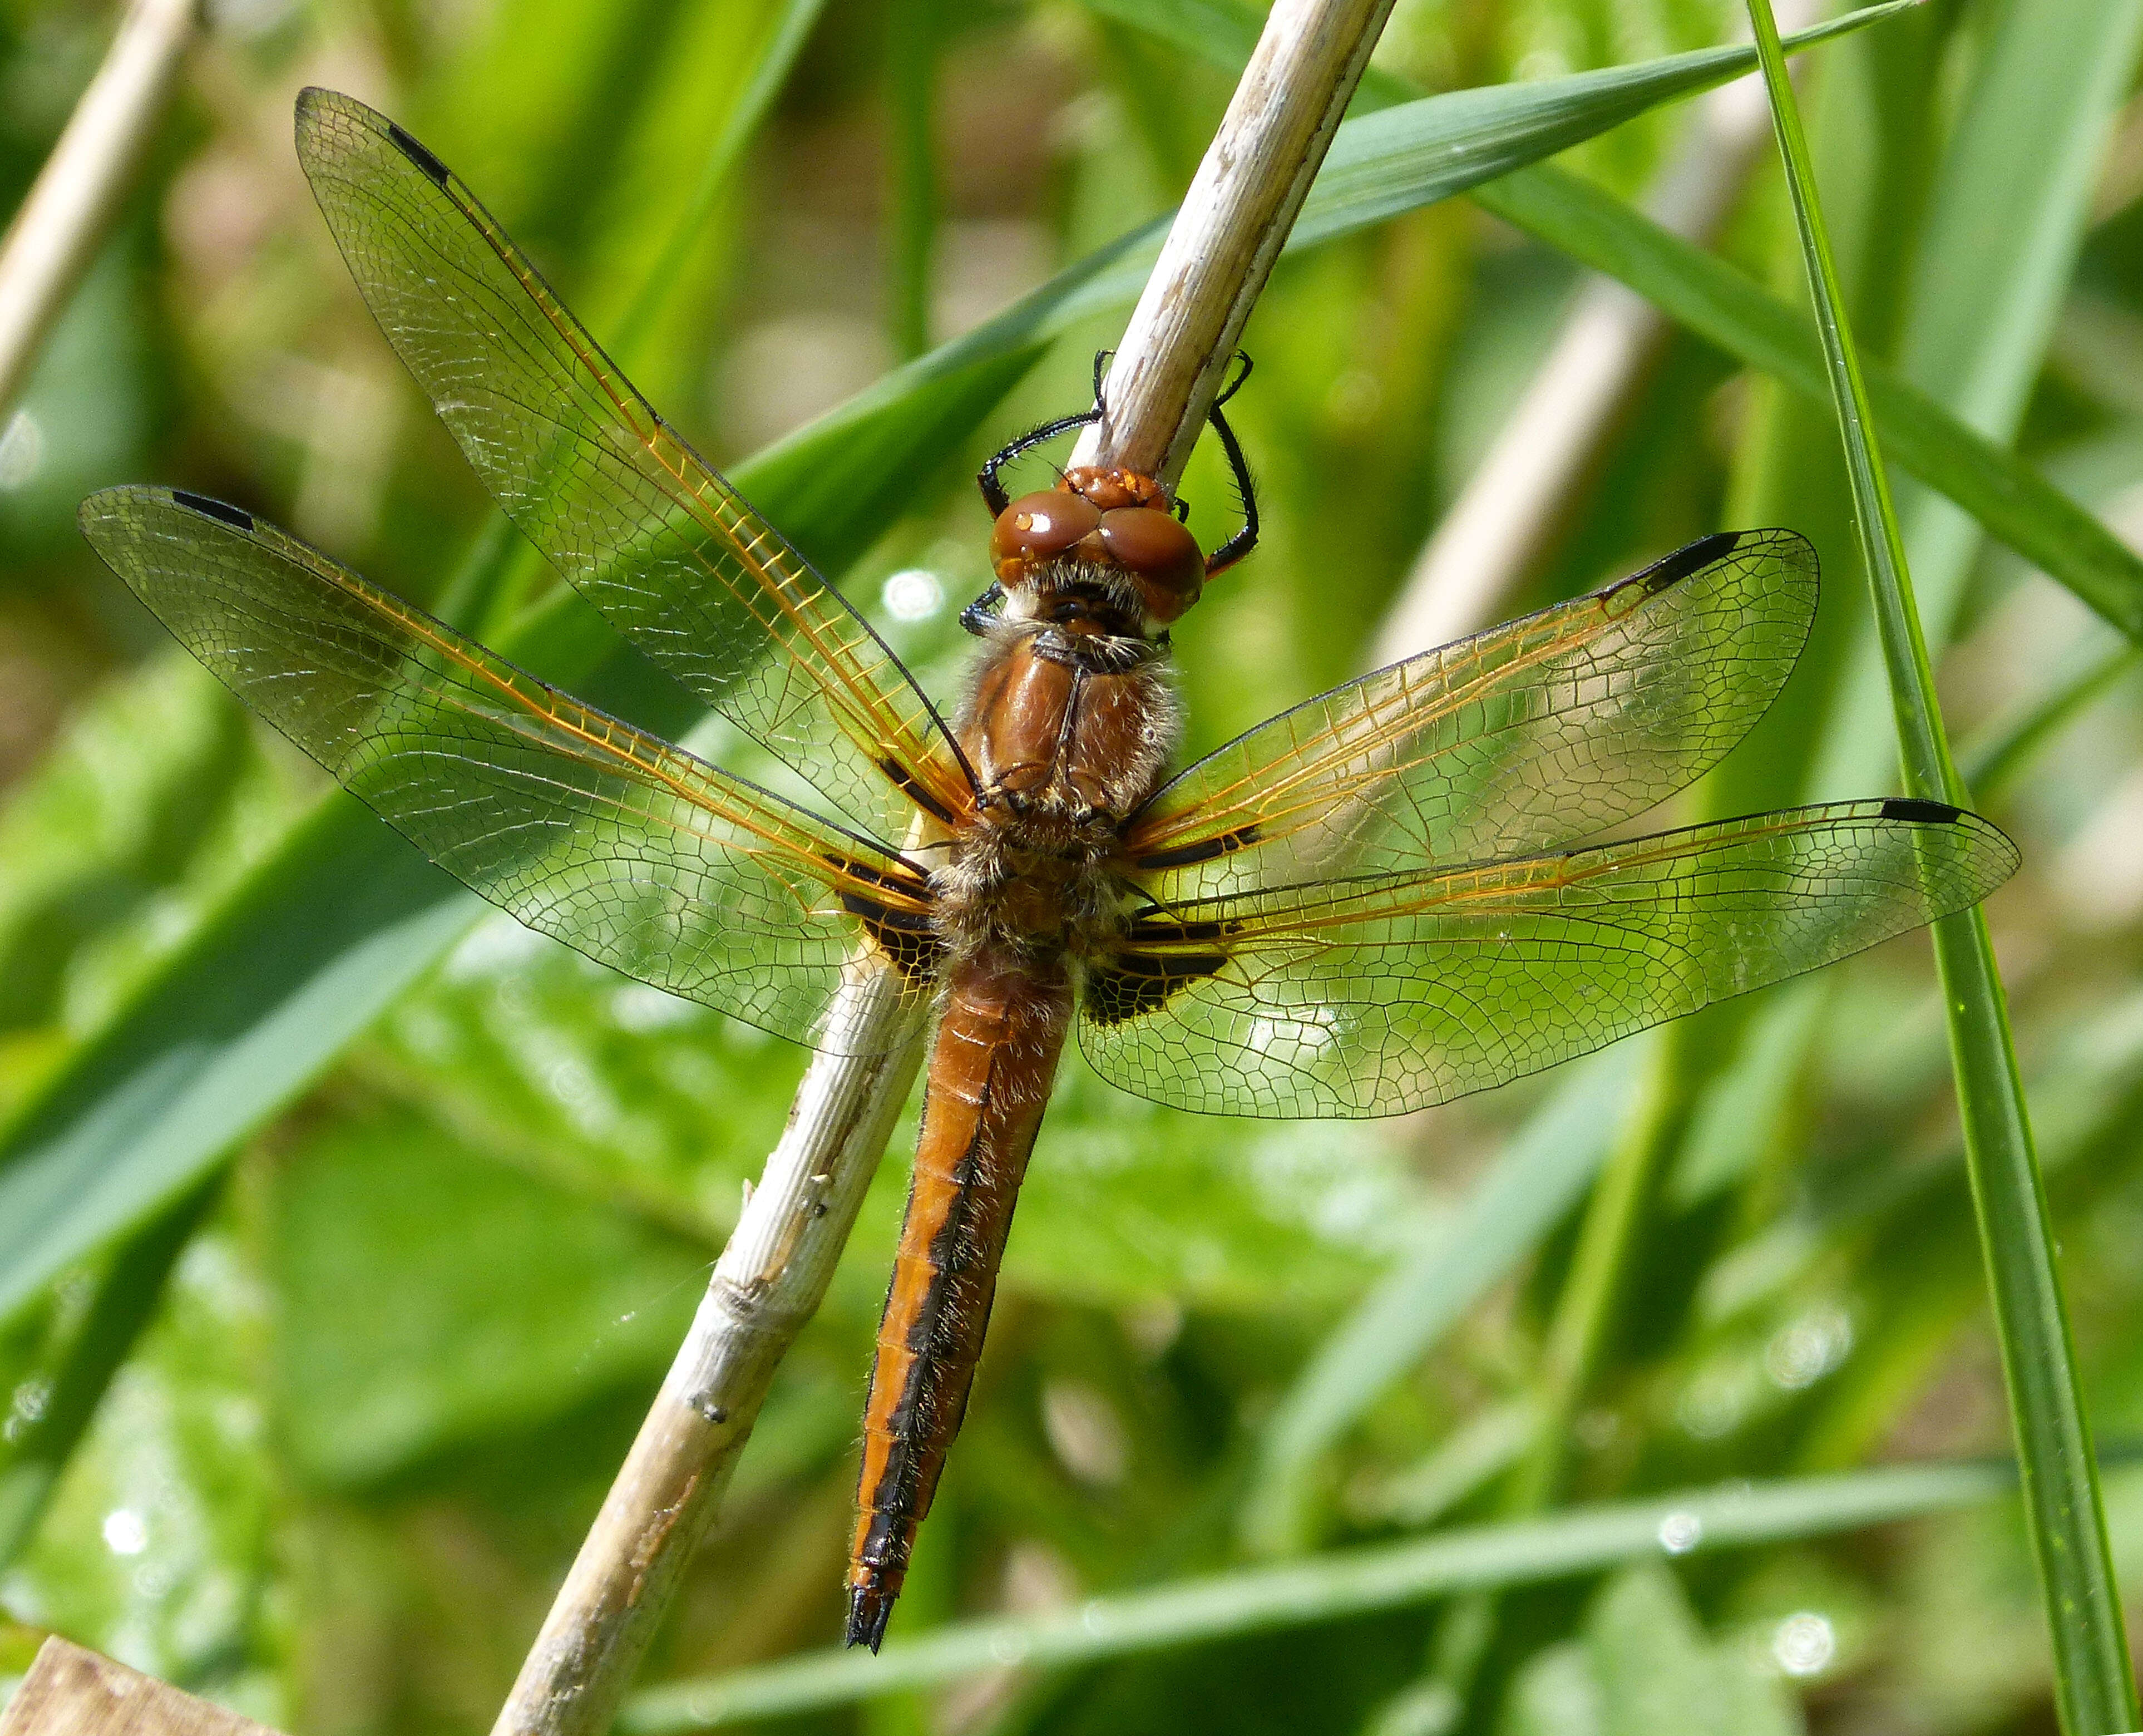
[71, 1691]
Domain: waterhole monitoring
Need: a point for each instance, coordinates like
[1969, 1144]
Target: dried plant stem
[774, 1271]
[769, 1282]
[1228, 230]
[56, 233]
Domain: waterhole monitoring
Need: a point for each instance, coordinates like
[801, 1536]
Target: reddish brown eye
[1160, 554]
[1035, 527]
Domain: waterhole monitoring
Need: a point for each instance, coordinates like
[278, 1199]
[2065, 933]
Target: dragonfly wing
[617, 843]
[1523, 738]
[1373, 996]
[637, 521]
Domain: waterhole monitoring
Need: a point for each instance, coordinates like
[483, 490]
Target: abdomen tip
[870, 1607]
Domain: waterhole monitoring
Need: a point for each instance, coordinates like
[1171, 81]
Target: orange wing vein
[616, 842]
[633, 516]
[1391, 992]
[1526, 737]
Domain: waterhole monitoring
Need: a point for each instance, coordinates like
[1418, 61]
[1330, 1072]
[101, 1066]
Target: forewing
[623, 846]
[635, 518]
[1374, 996]
[1528, 736]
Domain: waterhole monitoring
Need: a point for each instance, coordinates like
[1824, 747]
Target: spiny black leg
[993, 493]
[981, 613]
[1236, 386]
[1245, 539]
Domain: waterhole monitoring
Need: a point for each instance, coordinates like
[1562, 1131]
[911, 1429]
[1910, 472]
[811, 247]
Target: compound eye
[1158, 553]
[1037, 527]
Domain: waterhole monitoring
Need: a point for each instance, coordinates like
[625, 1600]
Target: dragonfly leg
[1247, 539]
[980, 615]
[993, 491]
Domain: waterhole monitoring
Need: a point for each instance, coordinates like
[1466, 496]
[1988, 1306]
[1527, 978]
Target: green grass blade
[1407, 149]
[2093, 1681]
[1546, 1167]
[914, 28]
[792, 28]
[1500, 126]
[1479, 1449]
[1324, 1588]
[1927, 771]
[2005, 225]
[1598, 1276]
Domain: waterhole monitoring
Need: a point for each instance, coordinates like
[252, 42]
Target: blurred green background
[373, 1374]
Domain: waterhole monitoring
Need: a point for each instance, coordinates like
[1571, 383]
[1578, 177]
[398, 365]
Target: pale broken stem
[774, 1271]
[769, 1282]
[1514, 504]
[56, 232]
[1228, 232]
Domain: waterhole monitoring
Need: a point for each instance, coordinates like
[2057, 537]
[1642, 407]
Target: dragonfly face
[1103, 548]
[1378, 900]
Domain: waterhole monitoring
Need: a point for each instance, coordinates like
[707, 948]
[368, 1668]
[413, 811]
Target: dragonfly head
[1110, 530]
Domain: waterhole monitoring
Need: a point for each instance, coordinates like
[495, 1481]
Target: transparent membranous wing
[618, 844]
[1526, 737]
[635, 518]
[1377, 996]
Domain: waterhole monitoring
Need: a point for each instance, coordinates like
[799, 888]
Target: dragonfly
[1387, 897]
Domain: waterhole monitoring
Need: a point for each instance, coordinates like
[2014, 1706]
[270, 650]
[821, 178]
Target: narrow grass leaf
[792, 27]
[2093, 1681]
[912, 31]
[1990, 761]
[1404, 151]
[1484, 1446]
[1326, 1588]
[33, 1454]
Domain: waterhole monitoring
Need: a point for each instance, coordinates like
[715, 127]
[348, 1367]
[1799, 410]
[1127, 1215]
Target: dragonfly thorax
[1068, 729]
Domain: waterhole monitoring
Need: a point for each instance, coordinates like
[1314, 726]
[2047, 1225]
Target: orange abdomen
[992, 1065]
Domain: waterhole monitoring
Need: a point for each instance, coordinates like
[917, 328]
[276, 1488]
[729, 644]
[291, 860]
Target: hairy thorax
[1069, 728]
